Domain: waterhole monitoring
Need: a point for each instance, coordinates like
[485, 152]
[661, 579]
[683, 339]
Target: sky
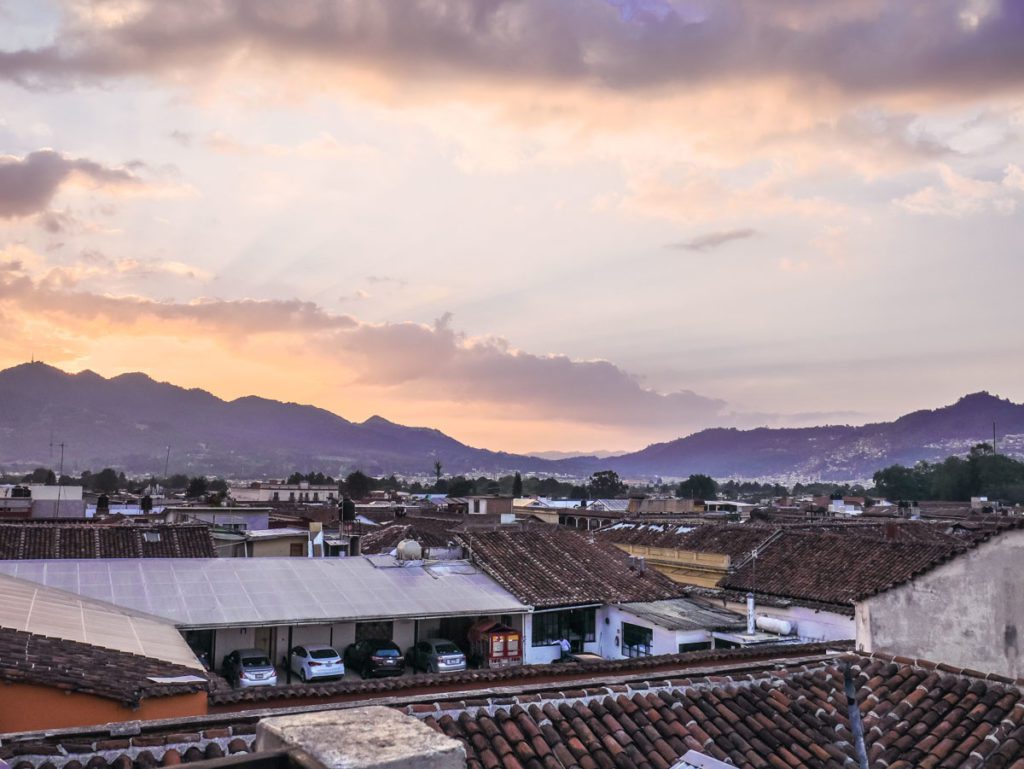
[533, 224]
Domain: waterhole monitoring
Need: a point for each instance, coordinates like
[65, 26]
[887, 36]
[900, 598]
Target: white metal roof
[226, 592]
[32, 608]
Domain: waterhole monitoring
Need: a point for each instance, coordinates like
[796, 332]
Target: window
[576, 625]
[476, 505]
[297, 549]
[694, 647]
[151, 536]
[316, 496]
[636, 640]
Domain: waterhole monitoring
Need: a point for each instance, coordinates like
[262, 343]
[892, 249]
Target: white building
[303, 492]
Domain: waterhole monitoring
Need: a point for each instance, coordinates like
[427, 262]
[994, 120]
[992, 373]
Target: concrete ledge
[362, 738]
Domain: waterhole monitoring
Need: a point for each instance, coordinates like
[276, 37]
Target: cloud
[28, 184]
[712, 240]
[426, 363]
[376, 279]
[56, 222]
[696, 195]
[960, 196]
[855, 46]
[323, 146]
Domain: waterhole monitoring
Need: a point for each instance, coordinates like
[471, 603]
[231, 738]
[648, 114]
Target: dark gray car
[436, 655]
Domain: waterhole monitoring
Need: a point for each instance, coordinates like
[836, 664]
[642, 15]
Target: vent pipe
[751, 617]
[856, 725]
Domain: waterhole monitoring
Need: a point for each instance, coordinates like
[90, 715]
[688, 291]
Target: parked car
[436, 655]
[249, 667]
[316, 661]
[375, 657]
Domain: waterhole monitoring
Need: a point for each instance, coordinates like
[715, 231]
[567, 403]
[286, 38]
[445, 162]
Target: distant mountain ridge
[128, 421]
[836, 452]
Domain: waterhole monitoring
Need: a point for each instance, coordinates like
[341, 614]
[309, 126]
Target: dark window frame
[637, 640]
[550, 627]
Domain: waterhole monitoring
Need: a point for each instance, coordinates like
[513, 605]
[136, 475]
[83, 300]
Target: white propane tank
[408, 550]
[773, 625]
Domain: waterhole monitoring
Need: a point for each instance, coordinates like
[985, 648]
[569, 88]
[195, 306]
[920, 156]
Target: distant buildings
[37, 500]
[262, 492]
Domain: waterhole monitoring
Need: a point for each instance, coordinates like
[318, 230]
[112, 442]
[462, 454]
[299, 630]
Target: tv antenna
[60, 475]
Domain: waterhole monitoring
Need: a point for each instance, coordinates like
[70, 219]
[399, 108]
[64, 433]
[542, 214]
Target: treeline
[110, 481]
[358, 485]
[982, 473]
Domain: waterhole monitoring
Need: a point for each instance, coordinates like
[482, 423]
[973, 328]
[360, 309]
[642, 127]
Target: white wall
[809, 624]
[968, 612]
[664, 640]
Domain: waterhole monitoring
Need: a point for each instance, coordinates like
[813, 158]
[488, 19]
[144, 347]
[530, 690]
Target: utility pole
[60, 474]
[994, 438]
[167, 461]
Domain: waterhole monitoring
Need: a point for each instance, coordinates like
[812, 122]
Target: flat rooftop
[242, 592]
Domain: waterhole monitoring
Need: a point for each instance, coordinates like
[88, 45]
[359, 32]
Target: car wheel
[302, 675]
[365, 673]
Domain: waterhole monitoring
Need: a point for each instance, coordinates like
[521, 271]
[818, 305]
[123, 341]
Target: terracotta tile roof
[648, 534]
[736, 540]
[796, 716]
[429, 532]
[38, 541]
[144, 748]
[833, 568]
[547, 566]
[770, 714]
[79, 667]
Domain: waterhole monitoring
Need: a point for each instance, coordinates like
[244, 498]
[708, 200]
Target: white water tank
[408, 550]
[774, 625]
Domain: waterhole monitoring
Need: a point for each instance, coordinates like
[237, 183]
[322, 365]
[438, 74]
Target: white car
[312, 661]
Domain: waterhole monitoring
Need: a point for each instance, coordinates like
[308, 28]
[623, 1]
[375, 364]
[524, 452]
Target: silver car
[436, 655]
[249, 667]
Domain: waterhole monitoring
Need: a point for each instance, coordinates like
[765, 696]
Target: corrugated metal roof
[225, 592]
[44, 611]
[684, 614]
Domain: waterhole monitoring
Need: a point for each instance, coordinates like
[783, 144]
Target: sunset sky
[533, 224]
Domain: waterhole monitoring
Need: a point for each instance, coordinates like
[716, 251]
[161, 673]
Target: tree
[176, 481]
[41, 475]
[197, 487]
[517, 485]
[218, 485]
[437, 470]
[358, 484]
[605, 484]
[106, 481]
[146, 504]
[697, 486]
[460, 486]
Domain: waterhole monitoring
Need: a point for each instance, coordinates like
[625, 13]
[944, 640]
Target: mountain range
[129, 421]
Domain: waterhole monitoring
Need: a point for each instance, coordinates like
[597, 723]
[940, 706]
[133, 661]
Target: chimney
[889, 530]
[373, 737]
[751, 629]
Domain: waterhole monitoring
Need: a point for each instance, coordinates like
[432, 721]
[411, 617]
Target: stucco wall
[27, 707]
[809, 624]
[280, 547]
[967, 612]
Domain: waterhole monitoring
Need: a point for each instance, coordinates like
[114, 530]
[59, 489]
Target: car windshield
[255, 662]
[386, 652]
[323, 654]
[447, 649]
